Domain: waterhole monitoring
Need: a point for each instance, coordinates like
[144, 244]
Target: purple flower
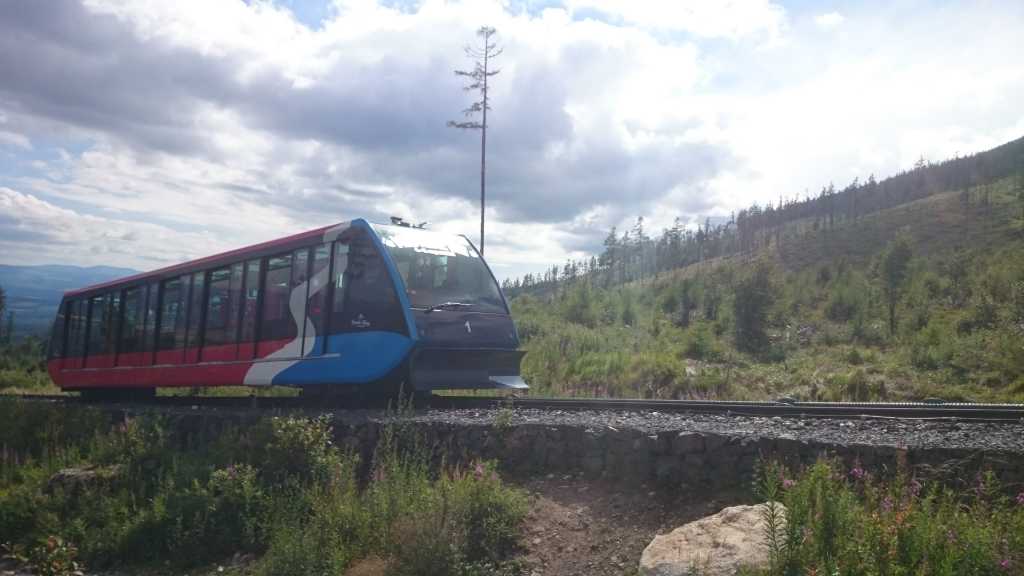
[858, 473]
[1020, 499]
[1005, 564]
[788, 483]
[887, 504]
[915, 487]
[478, 471]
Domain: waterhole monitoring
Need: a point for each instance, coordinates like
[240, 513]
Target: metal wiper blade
[446, 306]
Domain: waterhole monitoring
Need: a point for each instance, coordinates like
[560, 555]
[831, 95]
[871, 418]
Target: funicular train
[354, 306]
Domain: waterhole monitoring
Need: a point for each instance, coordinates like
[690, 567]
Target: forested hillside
[911, 287]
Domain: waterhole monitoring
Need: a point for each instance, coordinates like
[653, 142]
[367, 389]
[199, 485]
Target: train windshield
[441, 271]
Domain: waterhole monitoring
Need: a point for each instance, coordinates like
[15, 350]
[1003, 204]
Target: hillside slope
[806, 313]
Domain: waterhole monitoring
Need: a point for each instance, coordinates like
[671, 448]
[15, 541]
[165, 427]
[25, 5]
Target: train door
[131, 349]
[299, 294]
[194, 324]
[250, 310]
[317, 301]
[276, 326]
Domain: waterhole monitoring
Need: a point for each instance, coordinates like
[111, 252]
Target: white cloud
[733, 19]
[37, 231]
[15, 139]
[213, 124]
[829, 21]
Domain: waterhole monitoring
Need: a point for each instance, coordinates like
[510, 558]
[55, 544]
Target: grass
[852, 522]
[163, 500]
[230, 391]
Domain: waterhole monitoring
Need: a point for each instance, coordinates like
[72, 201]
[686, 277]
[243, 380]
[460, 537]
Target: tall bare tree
[477, 78]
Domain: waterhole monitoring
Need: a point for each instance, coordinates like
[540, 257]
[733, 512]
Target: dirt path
[597, 529]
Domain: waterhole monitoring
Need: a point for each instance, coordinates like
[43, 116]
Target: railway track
[904, 410]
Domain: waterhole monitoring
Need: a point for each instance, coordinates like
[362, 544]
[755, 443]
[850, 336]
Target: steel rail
[961, 411]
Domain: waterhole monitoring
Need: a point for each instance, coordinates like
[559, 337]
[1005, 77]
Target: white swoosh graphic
[263, 373]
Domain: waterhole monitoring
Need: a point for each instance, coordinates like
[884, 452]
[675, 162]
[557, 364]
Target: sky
[144, 133]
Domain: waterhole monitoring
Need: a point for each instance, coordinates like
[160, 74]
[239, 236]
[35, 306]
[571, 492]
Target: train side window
[149, 322]
[319, 281]
[172, 314]
[59, 331]
[252, 299]
[195, 306]
[234, 303]
[76, 329]
[218, 307]
[97, 327]
[113, 322]
[277, 322]
[339, 269]
[132, 320]
[181, 322]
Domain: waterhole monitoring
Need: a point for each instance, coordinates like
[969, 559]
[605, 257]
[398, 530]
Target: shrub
[311, 534]
[490, 514]
[53, 557]
[701, 344]
[299, 448]
[847, 298]
[854, 357]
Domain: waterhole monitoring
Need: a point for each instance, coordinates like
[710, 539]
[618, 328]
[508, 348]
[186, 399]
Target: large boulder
[717, 545]
[75, 481]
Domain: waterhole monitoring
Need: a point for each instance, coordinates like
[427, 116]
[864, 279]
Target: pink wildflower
[788, 483]
[1005, 564]
[915, 487]
[478, 471]
[858, 473]
[1020, 499]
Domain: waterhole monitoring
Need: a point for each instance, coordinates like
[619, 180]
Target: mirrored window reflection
[195, 318]
[76, 329]
[217, 308]
[149, 336]
[132, 324]
[251, 300]
[99, 317]
[277, 323]
[172, 314]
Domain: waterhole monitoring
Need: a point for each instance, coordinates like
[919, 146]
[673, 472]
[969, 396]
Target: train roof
[207, 261]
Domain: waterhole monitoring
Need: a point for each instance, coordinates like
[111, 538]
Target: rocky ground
[903, 433]
[578, 528]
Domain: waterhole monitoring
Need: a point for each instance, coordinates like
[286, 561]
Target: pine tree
[895, 263]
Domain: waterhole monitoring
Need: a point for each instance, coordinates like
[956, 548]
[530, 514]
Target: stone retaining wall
[632, 457]
[687, 459]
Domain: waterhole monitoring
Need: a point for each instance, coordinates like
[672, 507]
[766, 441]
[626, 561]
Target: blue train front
[418, 308]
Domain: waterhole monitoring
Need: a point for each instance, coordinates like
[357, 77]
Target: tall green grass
[843, 522]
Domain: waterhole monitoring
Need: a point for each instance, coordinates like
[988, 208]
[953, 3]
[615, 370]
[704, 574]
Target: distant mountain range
[34, 292]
